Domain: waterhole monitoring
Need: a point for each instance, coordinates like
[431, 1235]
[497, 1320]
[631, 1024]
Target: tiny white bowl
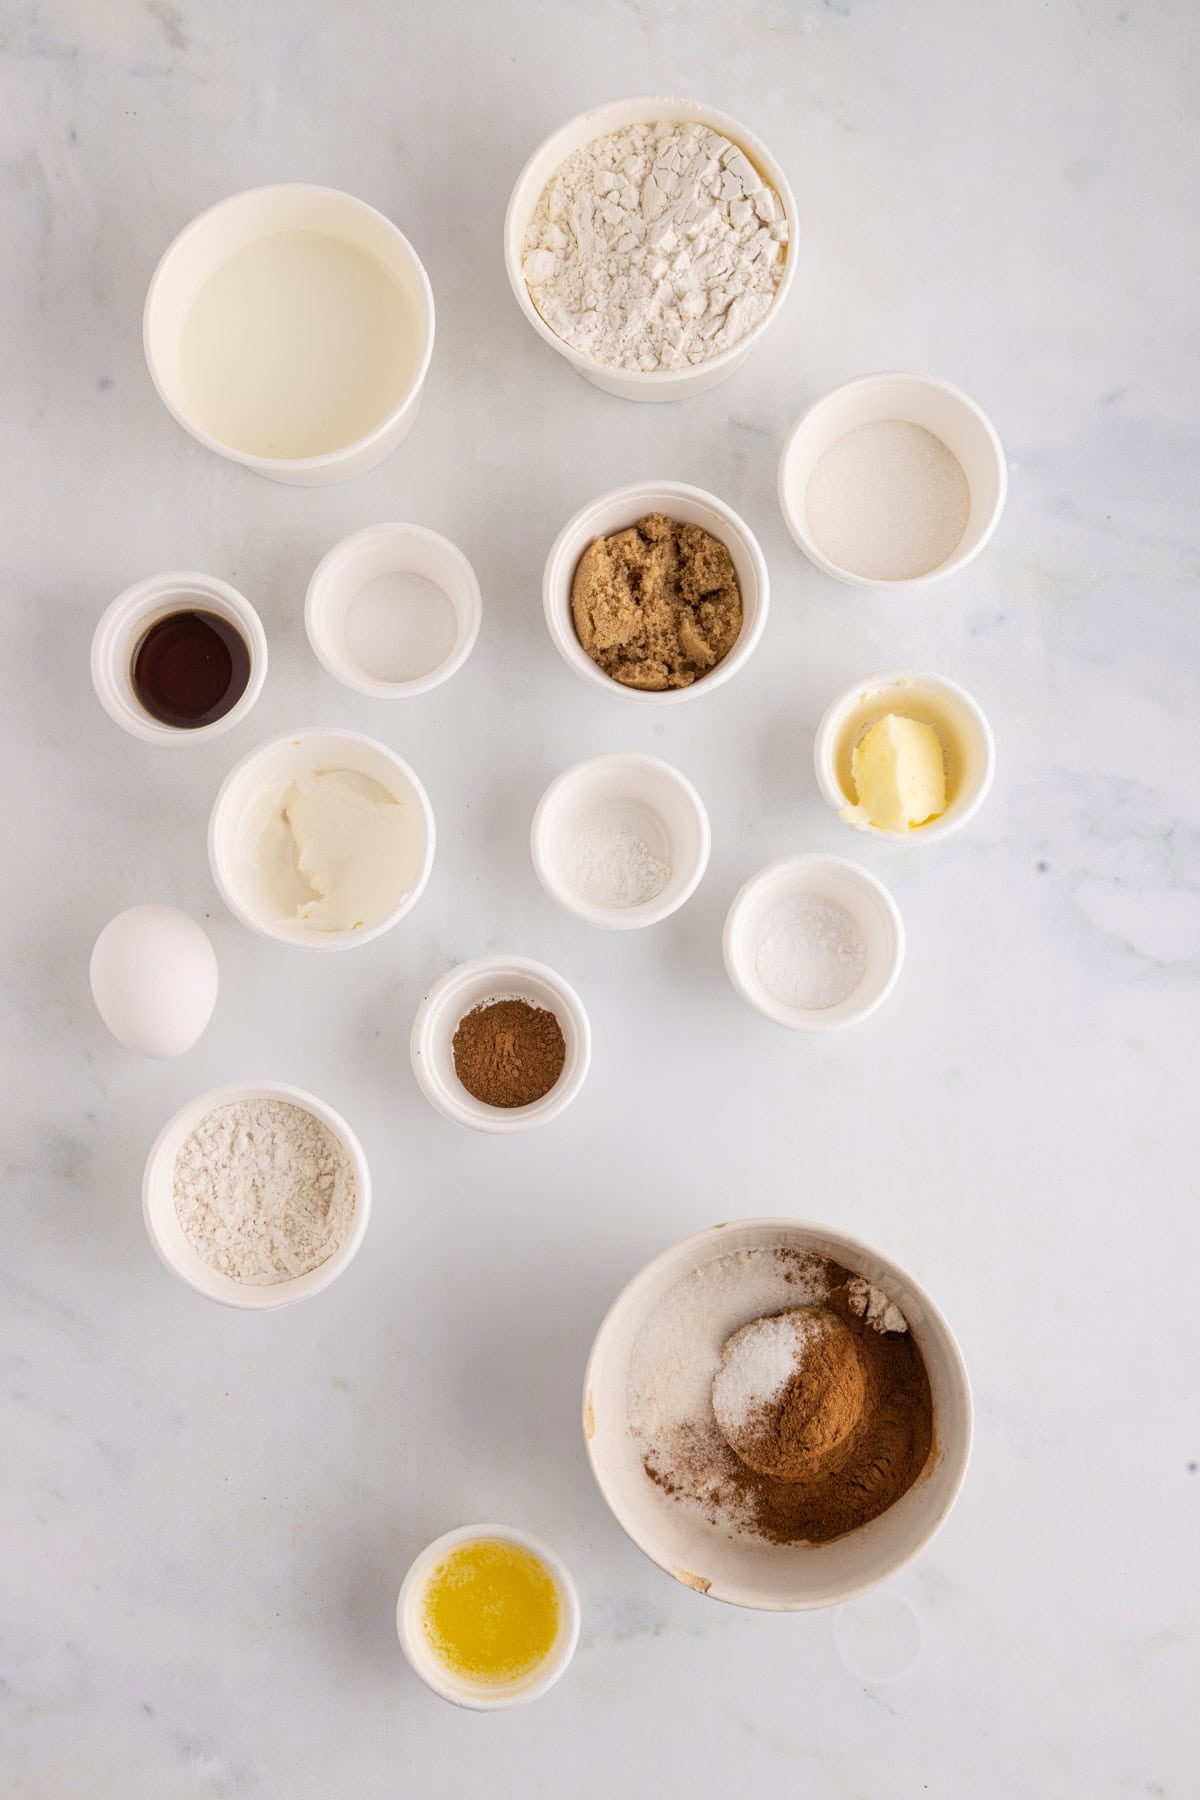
[841, 883]
[167, 1234]
[473, 984]
[635, 792]
[745, 1570]
[124, 624]
[478, 1697]
[614, 115]
[618, 510]
[923, 400]
[245, 800]
[231, 225]
[960, 722]
[365, 556]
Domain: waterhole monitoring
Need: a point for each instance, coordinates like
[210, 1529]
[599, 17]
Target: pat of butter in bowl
[339, 852]
[899, 772]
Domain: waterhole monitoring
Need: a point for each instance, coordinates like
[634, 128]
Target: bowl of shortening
[651, 243]
[657, 592]
[814, 943]
[323, 839]
[621, 840]
[256, 1195]
[892, 481]
[290, 328]
[488, 1617]
[777, 1414]
[393, 610]
[905, 755]
[501, 1044]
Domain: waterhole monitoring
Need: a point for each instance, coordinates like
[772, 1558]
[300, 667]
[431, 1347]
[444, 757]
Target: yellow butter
[899, 774]
[491, 1611]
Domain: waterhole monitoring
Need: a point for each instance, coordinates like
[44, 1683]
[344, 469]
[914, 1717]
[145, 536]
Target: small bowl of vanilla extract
[179, 657]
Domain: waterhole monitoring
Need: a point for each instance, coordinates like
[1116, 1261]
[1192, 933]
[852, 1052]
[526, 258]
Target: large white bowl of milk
[289, 328]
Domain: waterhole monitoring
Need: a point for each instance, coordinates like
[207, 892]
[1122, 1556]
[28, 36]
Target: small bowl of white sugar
[814, 943]
[621, 841]
[892, 481]
[256, 1195]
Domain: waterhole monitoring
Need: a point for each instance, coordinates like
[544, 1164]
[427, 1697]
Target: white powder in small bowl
[811, 954]
[888, 501]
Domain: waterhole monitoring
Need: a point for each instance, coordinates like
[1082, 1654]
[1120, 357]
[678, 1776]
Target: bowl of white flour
[651, 243]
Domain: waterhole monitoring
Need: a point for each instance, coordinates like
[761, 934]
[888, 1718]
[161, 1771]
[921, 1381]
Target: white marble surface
[205, 1516]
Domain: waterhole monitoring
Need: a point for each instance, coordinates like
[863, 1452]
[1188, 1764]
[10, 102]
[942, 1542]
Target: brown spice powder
[509, 1053]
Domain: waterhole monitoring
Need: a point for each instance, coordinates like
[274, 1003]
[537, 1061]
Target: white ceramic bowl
[249, 795]
[367, 556]
[627, 792]
[744, 1570]
[473, 1695]
[167, 1235]
[126, 621]
[227, 228]
[457, 993]
[615, 512]
[966, 737]
[638, 384]
[841, 883]
[919, 400]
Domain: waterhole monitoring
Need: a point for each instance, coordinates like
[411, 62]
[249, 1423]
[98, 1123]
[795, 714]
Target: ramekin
[614, 512]
[744, 1570]
[924, 400]
[125, 622]
[167, 1235]
[473, 984]
[639, 384]
[478, 1697]
[959, 721]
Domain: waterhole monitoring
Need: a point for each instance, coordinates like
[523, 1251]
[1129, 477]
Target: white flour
[887, 500]
[611, 864]
[655, 247]
[811, 954]
[264, 1191]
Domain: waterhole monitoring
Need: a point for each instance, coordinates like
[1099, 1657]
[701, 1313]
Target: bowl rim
[556, 601]
[609, 918]
[329, 459]
[325, 943]
[689, 1247]
[953, 562]
[825, 762]
[746, 140]
[242, 1297]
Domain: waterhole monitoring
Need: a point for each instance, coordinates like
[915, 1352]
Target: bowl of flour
[651, 243]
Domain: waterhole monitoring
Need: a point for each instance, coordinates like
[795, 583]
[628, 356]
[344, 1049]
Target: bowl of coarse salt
[814, 943]
[621, 841]
[892, 481]
[650, 242]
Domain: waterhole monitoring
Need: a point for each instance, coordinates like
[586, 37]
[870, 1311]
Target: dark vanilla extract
[191, 668]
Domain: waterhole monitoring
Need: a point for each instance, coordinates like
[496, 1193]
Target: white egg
[154, 980]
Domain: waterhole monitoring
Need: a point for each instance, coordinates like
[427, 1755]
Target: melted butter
[491, 1611]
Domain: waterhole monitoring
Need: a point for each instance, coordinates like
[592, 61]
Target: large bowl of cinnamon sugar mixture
[777, 1414]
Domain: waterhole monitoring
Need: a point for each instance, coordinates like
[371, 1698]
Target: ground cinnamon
[509, 1053]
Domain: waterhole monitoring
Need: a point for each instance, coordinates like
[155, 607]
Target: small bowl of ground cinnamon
[657, 591]
[501, 1044]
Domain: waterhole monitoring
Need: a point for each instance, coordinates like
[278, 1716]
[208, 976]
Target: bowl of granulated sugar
[892, 481]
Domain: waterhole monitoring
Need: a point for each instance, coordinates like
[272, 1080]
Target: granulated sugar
[400, 626]
[759, 1363]
[888, 501]
[811, 954]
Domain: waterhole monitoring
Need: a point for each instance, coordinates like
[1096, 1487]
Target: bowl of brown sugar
[777, 1414]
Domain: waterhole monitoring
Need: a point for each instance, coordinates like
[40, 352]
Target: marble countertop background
[205, 1517]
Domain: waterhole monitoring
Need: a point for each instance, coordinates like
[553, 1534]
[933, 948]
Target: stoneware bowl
[615, 512]
[745, 1570]
[167, 1236]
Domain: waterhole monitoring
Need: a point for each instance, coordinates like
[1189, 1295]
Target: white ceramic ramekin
[615, 512]
[363, 557]
[960, 722]
[919, 400]
[242, 219]
[745, 1570]
[841, 883]
[642, 794]
[125, 622]
[167, 1235]
[476, 1696]
[473, 984]
[638, 384]
[246, 797]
